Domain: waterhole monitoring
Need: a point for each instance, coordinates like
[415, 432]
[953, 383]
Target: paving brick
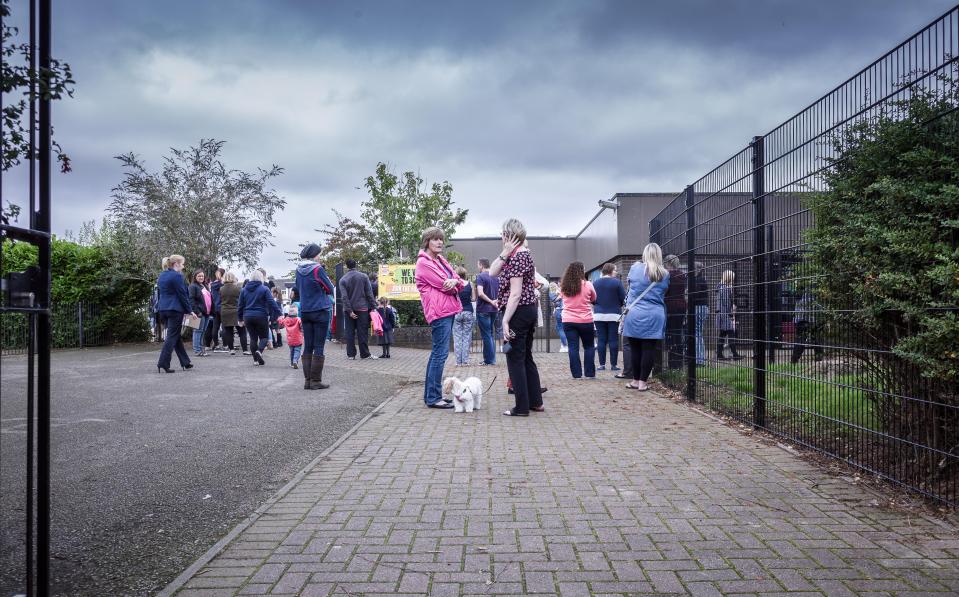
[641, 496]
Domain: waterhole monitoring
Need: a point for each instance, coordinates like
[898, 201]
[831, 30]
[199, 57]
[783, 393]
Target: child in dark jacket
[389, 324]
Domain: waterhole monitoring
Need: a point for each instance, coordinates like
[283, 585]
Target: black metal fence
[73, 325]
[777, 356]
[545, 338]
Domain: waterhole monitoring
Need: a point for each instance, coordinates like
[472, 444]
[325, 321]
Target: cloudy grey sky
[530, 109]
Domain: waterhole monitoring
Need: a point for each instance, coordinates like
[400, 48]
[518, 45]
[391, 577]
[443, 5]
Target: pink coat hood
[430, 275]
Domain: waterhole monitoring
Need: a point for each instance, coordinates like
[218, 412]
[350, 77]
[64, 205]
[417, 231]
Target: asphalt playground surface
[149, 470]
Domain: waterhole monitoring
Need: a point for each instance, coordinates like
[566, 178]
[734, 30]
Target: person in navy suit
[173, 304]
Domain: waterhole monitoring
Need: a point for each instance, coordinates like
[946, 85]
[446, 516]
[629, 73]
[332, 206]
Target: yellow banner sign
[397, 282]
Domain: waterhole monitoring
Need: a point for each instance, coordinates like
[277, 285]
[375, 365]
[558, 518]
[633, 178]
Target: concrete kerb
[220, 545]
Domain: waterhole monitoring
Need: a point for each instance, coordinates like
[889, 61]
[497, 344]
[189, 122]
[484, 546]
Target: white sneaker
[564, 348]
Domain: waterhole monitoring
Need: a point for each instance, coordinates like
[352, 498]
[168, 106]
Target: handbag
[190, 320]
[622, 320]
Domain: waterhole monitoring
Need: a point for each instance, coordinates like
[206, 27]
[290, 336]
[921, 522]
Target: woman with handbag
[173, 303]
[644, 322]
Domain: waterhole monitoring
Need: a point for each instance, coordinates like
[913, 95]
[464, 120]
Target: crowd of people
[503, 301]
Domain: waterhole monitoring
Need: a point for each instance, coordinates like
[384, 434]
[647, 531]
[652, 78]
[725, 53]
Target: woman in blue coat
[173, 303]
[314, 291]
[255, 311]
[645, 321]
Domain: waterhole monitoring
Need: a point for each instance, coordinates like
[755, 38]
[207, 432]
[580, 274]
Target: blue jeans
[316, 325]
[575, 332]
[702, 314]
[462, 336]
[607, 332]
[486, 321]
[441, 329]
[560, 331]
[198, 334]
[295, 354]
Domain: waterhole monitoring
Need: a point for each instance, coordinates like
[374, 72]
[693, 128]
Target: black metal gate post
[548, 318]
[759, 285]
[690, 281]
[773, 303]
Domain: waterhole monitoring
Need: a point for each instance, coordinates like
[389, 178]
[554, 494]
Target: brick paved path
[610, 492]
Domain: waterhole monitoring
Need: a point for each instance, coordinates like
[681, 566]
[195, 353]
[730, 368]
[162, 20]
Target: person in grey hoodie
[356, 293]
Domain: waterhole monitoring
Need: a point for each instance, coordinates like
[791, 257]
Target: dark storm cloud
[532, 109]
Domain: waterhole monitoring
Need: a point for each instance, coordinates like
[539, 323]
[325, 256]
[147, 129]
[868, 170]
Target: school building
[616, 234]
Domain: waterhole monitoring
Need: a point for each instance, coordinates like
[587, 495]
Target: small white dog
[467, 393]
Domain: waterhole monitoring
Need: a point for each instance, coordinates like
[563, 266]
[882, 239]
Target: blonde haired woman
[644, 324]
[726, 316]
[172, 305]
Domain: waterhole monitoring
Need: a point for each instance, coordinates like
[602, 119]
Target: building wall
[552, 254]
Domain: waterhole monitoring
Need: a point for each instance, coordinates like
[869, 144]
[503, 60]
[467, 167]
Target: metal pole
[691, 277]
[773, 302]
[80, 321]
[759, 286]
[43, 318]
[548, 319]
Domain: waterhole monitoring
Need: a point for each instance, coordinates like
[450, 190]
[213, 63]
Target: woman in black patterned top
[517, 301]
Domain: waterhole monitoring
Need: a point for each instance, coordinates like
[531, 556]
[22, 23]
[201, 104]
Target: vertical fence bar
[773, 303]
[80, 323]
[43, 318]
[691, 274]
[548, 319]
[759, 285]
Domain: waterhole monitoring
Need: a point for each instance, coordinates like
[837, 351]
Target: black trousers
[212, 335]
[806, 333]
[519, 360]
[643, 352]
[173, 321]
[227, 333]
[358, 331]
[259, 330]
[675, 342]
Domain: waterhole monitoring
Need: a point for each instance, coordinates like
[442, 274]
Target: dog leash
[491, 384]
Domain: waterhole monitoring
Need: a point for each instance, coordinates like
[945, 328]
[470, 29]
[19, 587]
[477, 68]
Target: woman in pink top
[439, 293]
[578, 298]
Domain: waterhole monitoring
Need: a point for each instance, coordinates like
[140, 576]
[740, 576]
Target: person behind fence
[202, 305]
[356, 292]
[463, 321]
[257, 308]
[294, 334]
[388, 314]
[644, 323]
[173, 303]
[314, 291]
[517, 300]
[155, 334]
[726, 316]
[556, 300]
[439, 288]
[610, 296]
[230, 322]
[487, 288]
[807, 332]
[675, 313]
[578, 298]
[699, 294]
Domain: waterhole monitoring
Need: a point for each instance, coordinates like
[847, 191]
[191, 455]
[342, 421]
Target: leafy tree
[15, 79]
[90, 273]
[195, 206]
[401, 207]
[886, 247]
[347, 239]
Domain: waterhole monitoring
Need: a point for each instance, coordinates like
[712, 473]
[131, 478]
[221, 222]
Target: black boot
[307, 360]
[316, 374]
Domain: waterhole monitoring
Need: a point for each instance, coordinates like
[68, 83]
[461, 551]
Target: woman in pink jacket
[439, 287]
